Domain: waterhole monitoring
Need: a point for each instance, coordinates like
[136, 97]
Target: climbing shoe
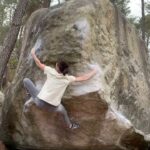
[74, 126]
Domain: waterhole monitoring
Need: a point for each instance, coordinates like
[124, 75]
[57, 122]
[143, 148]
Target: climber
[49, 97]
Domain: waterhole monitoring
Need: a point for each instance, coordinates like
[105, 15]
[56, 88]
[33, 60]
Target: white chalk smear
[92, 85]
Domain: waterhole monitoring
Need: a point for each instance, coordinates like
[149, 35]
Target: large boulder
[87, 34]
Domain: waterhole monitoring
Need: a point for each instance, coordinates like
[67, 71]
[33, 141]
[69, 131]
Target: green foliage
[122, 5]
[147, 28]
[147, 23]
[13, 63]
[135, 21]
[10, 2]
[5, 6]
[2, 14]
[147, 6]
[3, 31]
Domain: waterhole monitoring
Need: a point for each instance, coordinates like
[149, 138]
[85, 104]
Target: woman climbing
[49, 97]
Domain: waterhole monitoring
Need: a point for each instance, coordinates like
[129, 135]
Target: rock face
[86, 33]
[1, 104]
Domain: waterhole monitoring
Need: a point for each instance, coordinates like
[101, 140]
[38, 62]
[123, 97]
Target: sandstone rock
[1, 97]
[1, 104]
[86, 33]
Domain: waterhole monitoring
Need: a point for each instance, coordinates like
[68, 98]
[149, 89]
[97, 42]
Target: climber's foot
[74, 126]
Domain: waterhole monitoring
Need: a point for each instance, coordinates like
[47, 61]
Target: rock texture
[1, 104]
[86, 33]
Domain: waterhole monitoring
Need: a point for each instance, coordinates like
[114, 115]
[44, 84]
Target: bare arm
[37, 61]
[86, 76]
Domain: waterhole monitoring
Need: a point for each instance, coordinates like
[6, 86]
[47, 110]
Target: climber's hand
[95, 70]
[86, 76]
[32, 51]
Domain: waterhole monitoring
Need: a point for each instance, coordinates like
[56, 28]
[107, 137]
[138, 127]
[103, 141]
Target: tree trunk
[143, 20]
[11, 37]
[147, 42]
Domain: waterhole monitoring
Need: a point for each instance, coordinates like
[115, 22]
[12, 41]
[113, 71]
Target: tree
[147, 29]
[122, 5]
[147, 7]
[58, 1]
[143, 19]
[11, 37]
[3, 15]
[7, 8]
